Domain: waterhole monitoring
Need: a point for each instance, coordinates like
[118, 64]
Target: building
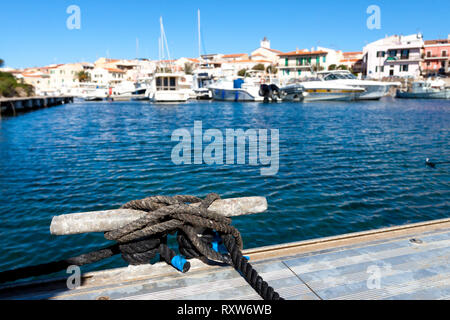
[394, 56]
[40, 81]
[107, 76]
[353, 61]
[301, 63]
[436, 57]
[64, 77]
[264, 52]
[234, 57]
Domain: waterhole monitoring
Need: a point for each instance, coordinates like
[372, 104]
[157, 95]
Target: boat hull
[233, 95]
[169, 96]
[444, 94]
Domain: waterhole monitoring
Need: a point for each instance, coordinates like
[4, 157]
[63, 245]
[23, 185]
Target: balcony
[436, 57]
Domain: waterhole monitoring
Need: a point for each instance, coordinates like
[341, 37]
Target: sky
[34, 33]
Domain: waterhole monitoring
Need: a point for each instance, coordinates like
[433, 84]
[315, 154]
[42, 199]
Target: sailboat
[167, 85]
[204, 76]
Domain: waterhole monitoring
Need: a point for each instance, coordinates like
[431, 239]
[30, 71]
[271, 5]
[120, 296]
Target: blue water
[344, 167]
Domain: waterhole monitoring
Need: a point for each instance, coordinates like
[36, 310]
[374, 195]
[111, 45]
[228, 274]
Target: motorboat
[201, 81]
[430, 89]
[89, 91]
[319, 90]
[130, 90]
[169, 87]
[374, 90]
[247, 88]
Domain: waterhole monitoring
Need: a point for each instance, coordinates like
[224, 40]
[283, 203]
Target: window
[317, 60]
[286, 63]
[382, 68]
[381, 54]
[299, 72]
[444, 53]
[297, 62]
[428, 54]
[324, 59]
[392, 53]
[404, 68]
[405, 54]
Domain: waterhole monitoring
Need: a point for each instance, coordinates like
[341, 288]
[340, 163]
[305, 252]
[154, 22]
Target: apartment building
[436, 57]
[300, 63]
[394, 56]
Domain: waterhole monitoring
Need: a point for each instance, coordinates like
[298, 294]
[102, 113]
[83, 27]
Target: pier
[11, 106]
[404, 262]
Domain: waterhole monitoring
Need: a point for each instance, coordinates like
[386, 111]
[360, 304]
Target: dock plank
[378, 264]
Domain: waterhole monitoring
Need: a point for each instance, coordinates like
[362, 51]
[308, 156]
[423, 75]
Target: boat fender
[180, 263]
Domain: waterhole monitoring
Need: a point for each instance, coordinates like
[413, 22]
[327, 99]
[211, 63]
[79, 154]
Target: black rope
[200, 234]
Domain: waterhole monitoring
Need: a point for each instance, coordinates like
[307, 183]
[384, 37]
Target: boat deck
[407, 262]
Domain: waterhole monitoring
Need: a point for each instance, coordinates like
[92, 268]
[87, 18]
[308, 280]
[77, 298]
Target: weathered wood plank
[102, 221]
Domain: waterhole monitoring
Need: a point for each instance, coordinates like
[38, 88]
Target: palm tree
[83, 76]
[2, 62]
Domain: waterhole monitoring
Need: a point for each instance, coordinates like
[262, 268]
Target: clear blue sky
[34, 33]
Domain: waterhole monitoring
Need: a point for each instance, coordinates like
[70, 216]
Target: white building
[394, 56]
[264, 52]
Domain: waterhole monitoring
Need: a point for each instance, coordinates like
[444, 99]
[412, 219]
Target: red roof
[438, 41]
[114, 70]
[235, 55]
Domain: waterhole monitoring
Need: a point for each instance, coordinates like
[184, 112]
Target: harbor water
[343, 167]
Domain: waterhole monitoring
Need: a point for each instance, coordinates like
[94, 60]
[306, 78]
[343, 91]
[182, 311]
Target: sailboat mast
[199, 37]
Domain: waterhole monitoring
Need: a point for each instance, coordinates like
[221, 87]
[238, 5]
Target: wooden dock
[11, 106]
[407, 262]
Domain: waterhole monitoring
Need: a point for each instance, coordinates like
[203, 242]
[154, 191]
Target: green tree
[318, 67]
[188, 68]
[342, 67]
[9, 87]
[242, 72]
[332, 67]
[83, 76]
[259, 67]
[271, 69]
[2, 62]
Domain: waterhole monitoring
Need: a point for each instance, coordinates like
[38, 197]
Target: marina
[366, 179]
[233, 154]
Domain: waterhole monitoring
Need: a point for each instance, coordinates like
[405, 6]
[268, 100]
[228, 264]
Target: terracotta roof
[114, 70]
[438, 41]
[352, 53]
[234, 55]
[303, 53]
[193, 60]
[32, 75]
[247, 61]
[274, 50]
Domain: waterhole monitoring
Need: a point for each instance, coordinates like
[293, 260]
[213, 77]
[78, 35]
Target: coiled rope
[200, 234]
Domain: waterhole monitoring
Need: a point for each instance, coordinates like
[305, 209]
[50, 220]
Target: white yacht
[202, 79]
[129, 90]
[247, 88]
[169, 87]
[90, 91]
[430, 89]
[319, 90]
[374, 90]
